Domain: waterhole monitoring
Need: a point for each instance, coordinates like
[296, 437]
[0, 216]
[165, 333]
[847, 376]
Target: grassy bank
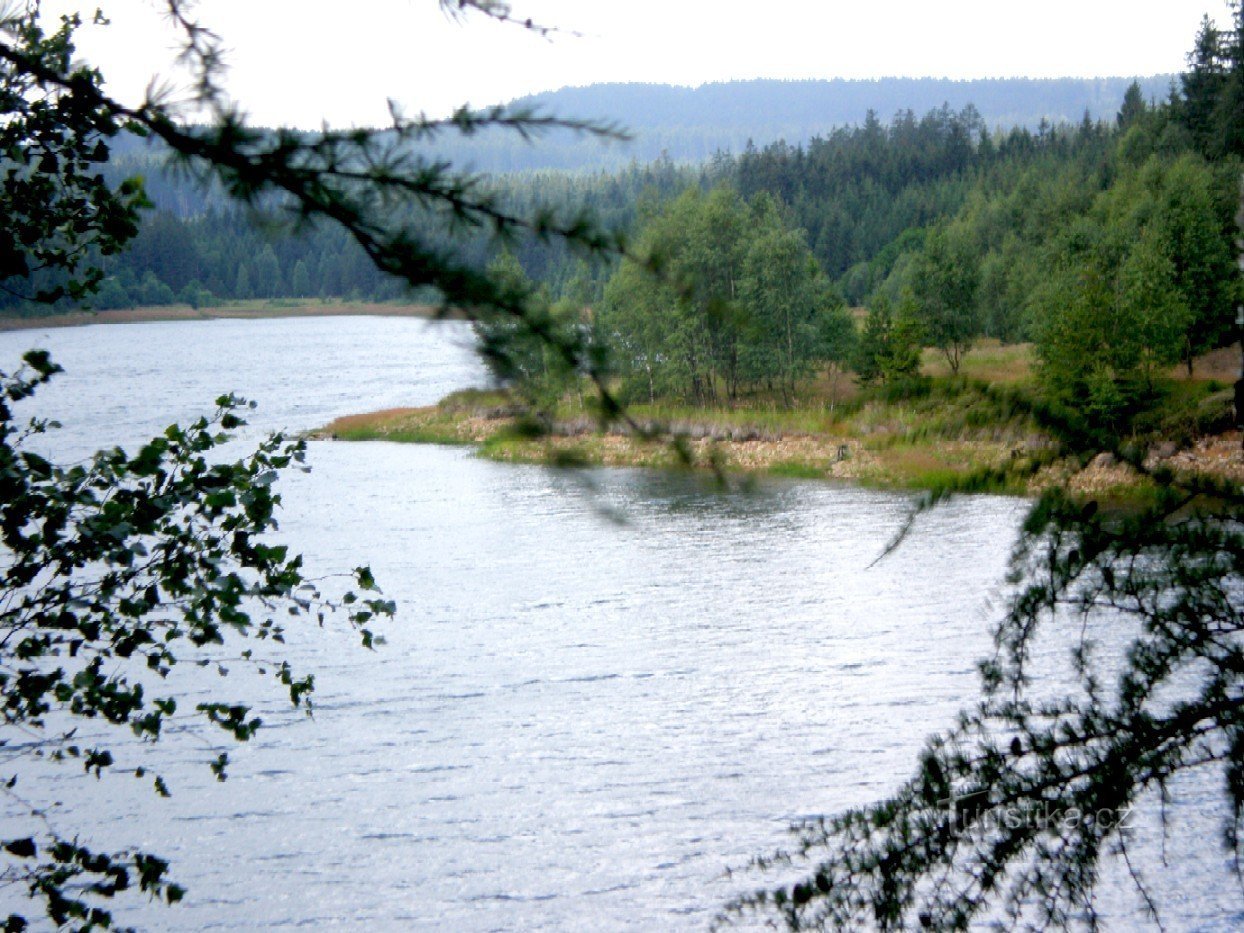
[878, 443]
[945, 429]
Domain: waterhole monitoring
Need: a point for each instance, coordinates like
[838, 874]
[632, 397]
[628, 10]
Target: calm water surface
[601, 689]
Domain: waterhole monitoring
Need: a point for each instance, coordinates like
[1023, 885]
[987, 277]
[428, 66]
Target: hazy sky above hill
[299, 63]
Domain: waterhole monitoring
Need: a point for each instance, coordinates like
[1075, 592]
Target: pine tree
[300, 280]
[1133, 107]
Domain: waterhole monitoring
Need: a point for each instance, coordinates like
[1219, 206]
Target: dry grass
[835, 387]
[1222, 365]
[372, 421]
[989, 360]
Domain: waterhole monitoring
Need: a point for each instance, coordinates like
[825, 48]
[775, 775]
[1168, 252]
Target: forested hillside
[1105, 239]
[197, 249]
[694, 124]
[1107, 244]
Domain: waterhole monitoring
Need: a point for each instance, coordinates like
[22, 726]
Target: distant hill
[692, 124]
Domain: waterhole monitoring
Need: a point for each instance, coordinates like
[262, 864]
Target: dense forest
[197, 249]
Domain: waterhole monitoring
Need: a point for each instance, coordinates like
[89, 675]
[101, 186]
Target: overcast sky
[303, 62]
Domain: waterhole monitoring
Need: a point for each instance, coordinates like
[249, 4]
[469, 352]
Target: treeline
[863, 195]
[229, 255]
[194, 248]
[690, 125]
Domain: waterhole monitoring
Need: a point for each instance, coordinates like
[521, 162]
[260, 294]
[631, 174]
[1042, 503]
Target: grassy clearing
[989, 361]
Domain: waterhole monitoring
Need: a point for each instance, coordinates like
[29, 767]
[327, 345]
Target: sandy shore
[249, 310]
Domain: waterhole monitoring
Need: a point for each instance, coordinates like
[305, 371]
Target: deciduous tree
[743, 301]
[888, 350]
[55, 207]
[944, 284]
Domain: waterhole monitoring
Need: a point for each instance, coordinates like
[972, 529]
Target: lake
[602, 689]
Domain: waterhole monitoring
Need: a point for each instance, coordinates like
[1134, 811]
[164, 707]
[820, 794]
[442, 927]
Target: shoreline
[237, 311]
[870, 448]
[880, 445]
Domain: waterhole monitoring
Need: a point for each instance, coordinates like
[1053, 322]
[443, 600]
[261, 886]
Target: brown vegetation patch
[1219, 455]
[1222, 364]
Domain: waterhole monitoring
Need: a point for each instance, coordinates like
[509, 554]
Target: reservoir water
[601, 689]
